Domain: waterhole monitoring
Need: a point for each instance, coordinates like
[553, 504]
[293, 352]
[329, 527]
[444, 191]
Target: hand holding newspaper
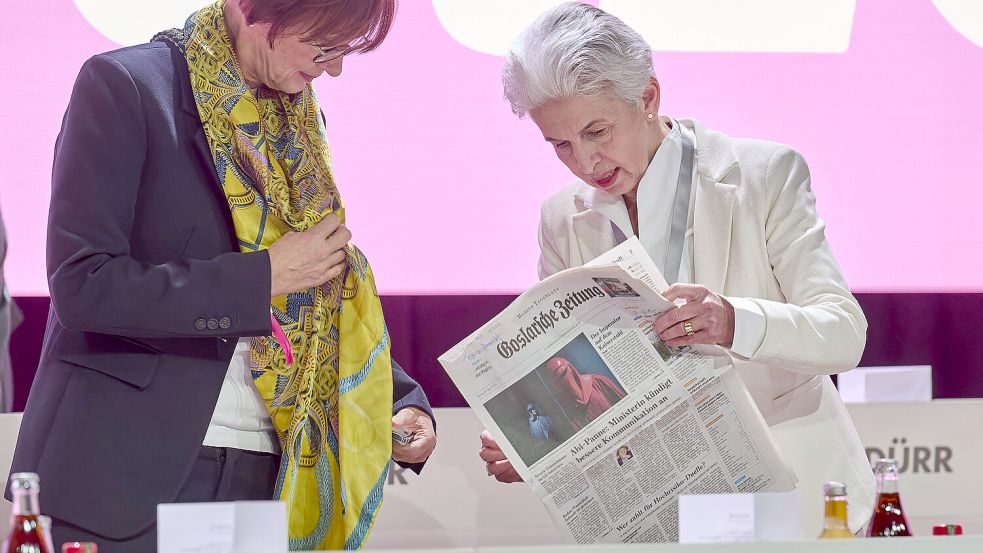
[606, 423]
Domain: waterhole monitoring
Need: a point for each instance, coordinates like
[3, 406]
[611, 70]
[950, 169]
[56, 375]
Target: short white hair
[574, 50]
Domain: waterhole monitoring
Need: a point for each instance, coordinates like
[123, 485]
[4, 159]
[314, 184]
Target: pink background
[443, 183]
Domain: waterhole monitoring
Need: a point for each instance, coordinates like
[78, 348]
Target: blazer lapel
[187, 103]
[714, 214]
[594, 225]
[594, 234]
[200, 141]
[712, 226]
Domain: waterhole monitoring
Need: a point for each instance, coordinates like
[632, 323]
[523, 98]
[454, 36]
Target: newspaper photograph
[605, 422]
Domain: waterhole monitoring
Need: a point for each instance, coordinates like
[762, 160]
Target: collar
[664, 165]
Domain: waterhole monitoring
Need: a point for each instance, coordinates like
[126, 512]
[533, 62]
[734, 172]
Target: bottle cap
[947, 530]
[24, 481]
[834, 488]
[886, 466]
[79, 547]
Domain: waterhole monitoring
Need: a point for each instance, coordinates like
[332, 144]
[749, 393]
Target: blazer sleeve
[95, 282]
[819, 328]
[408, 393]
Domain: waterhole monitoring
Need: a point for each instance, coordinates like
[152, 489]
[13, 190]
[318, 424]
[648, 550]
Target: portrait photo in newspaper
[550, 404]
[615, 288]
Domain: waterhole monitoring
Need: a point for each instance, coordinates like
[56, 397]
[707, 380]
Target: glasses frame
[330, 54]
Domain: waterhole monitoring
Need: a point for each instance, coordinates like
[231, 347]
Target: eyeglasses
[329, 54]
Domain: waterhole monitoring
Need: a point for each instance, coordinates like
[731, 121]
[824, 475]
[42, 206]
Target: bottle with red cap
[947, 530]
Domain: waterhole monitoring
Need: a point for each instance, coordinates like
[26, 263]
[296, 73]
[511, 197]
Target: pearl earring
[651, 116]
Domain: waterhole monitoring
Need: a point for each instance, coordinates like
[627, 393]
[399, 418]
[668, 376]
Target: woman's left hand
[424, 438]
[710, 316]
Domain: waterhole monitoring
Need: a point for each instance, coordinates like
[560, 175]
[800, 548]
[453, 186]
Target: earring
[651, 116]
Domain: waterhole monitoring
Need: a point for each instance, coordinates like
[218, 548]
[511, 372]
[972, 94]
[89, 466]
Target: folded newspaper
[604, 421]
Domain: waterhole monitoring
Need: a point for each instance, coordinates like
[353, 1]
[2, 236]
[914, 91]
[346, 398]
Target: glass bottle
[888, 519]
[26, 534]
[835, 523]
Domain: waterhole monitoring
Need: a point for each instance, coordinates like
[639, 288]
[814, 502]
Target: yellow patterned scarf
[332, 408]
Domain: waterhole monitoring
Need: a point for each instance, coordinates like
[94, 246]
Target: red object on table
[79, 547]
[947, 530]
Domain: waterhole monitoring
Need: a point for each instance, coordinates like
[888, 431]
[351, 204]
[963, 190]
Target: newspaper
[604, 421]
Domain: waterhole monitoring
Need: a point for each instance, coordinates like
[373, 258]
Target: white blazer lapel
[594, 234]
[713, 219]
[712, 226]
[593, 226]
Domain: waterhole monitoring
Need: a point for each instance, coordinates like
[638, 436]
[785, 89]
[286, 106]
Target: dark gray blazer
[149, 294]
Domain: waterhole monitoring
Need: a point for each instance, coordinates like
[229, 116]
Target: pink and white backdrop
[443, 183]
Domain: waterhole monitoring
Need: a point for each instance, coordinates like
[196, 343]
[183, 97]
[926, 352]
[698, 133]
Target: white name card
[719, 518]
[234, 527]
[881, 384]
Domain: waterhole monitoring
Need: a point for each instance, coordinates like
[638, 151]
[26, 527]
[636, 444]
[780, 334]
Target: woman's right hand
[495, 462]
[302, 260]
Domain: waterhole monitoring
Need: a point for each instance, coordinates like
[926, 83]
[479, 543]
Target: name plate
[719, 518]
[882, 384]
[233, 527]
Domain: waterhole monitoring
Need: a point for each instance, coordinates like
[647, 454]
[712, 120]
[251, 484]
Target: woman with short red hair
[214, 336]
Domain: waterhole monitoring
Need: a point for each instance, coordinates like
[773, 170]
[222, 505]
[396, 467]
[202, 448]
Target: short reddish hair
[362, 23]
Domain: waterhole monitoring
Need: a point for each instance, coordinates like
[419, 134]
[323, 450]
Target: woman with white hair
[731, 223]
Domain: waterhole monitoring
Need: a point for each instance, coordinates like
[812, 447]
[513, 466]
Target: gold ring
[688, 327]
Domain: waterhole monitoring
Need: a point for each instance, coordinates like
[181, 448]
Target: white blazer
[756, 235]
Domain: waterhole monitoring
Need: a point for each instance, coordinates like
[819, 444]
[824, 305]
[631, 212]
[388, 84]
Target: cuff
[749, 327]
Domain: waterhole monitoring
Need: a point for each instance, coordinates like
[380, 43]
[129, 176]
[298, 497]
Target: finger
[689, 292]
[424, 452]
[337, 257]
[702, 337]
[679, 330]
[338, 240]
[421, 448]
[402, 419]
[399, 452]
[498, 467]
[408, 455]
[504, 473]
[675, 316]
[509, 477]
[333, 272]
[490, 455]
[488, 441]
[327, 225]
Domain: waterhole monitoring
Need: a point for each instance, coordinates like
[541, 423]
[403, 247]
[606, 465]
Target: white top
[656, 194]
[241, 420]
